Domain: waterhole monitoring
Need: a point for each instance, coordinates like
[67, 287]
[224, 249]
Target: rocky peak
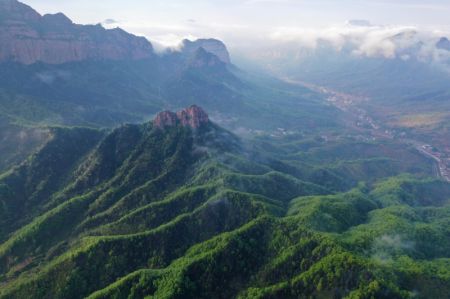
[212, 46]
[202, 58]
[165, 119]
[12, 10]
[27, 37]
[443, 44]
[193, 117]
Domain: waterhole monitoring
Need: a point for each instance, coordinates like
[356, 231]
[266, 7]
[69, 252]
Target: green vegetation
[142, 212]
[312, 204]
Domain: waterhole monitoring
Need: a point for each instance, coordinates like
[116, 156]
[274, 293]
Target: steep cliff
[27, 37]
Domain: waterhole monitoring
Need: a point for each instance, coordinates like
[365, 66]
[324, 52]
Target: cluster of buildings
[442, 159]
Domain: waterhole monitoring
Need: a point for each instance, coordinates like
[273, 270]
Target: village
[362, 120]
[442, 159]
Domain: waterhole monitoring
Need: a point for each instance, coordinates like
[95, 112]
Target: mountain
[401, 79]
[443, 44]
[212, 46]
[27, 37]
[260, 188]
[200, 58]
[12, 10]
[55, 72]
[59, 73]
[178, 207]
[399, 62]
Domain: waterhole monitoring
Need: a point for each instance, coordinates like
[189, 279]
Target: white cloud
[367, 40]
[110, 22]
[360, 36]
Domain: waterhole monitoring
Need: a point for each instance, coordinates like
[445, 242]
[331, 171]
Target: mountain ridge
[213, 46]
[28, 37]
[173, 213]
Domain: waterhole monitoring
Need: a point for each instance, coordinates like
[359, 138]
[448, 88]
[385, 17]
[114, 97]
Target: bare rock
[193, 117]
[27, 37]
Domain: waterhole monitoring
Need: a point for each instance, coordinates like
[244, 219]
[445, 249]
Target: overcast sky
[240, 21]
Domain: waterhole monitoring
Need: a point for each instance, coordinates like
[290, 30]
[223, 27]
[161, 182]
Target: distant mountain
[27, 37]
[443, 44]
[399, 76]
[201, 58]
[213, 46]
[61, 86]
[103, 77]
[395, 68]
[109, 188]
[57, 72]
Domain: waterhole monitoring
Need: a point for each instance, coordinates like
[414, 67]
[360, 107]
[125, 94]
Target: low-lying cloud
[389, 245]
[362, 38]
[359, 37]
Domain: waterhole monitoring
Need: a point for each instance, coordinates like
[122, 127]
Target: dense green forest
[177, 212]
[288, 187]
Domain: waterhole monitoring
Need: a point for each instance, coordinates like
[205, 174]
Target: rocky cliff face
[27, 37]
[193, 117]
[212, 46]
[165, 119]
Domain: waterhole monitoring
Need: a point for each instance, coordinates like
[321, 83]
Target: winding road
[363, 122]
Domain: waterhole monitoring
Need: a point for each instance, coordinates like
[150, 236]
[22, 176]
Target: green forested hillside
[176, 212]
[105, 94]
[287, 188]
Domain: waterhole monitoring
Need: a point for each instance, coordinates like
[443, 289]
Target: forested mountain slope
[181, 208]
[55, 72]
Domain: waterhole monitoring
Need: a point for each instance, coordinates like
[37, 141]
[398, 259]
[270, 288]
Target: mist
[249, 27]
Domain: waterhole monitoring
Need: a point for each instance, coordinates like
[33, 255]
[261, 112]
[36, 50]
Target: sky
[242, 23]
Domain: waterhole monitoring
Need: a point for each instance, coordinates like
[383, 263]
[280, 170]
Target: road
[360, 120]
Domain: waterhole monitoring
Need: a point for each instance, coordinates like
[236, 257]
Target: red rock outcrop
[27, 37]
[165, 119]
[193, 117]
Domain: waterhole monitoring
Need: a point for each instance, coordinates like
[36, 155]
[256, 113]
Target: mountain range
[132, 81]
[179, 207]
[27, 37]
[127, 173]
[398, 75]
[112, 77]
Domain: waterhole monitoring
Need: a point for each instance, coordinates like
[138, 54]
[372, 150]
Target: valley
[172, 202]
[131, 168]
[372, 129]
